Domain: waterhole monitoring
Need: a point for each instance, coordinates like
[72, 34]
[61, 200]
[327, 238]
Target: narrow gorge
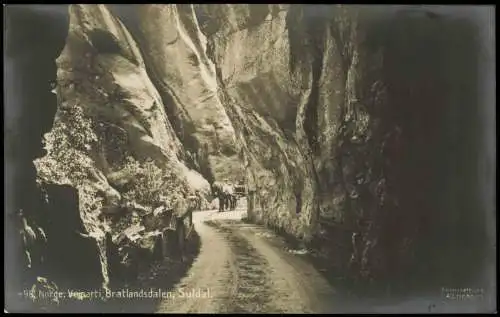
[356, 131]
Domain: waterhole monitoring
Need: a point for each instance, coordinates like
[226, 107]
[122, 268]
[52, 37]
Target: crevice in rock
[315, 32]
[104, 42]
[293, 16]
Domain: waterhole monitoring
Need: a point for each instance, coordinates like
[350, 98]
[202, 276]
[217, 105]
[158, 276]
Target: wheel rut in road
[252, 291]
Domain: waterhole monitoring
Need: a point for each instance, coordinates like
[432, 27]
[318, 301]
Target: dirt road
[245, 268]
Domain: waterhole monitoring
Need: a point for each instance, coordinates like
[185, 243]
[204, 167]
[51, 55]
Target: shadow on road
[160, 275]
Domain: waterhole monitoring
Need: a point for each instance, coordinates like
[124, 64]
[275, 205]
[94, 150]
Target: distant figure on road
[239, 189]
[230, 198]
[218, 191]
[224, 191]
[199, 198]
[195, 201]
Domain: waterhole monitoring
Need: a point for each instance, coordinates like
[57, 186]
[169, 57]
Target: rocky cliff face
[340, 117]
[111, 137]
[174, 53]
[304, 98]
[263, 96]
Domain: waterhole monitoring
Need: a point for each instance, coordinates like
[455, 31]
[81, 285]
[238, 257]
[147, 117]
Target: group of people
[225, 192]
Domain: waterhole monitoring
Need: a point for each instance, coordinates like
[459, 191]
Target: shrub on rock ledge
[153, 186]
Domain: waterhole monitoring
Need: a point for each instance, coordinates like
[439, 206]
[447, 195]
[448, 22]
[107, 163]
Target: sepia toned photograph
[249, 158]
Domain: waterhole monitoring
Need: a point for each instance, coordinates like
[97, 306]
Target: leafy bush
[153, 186]
[68, 146]
[114, 141]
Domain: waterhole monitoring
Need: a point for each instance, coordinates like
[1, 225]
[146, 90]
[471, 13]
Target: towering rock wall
[109, 116]
[341, 120]
[174, 53]
[262, 95]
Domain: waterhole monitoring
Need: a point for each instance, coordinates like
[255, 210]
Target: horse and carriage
[228, 194]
